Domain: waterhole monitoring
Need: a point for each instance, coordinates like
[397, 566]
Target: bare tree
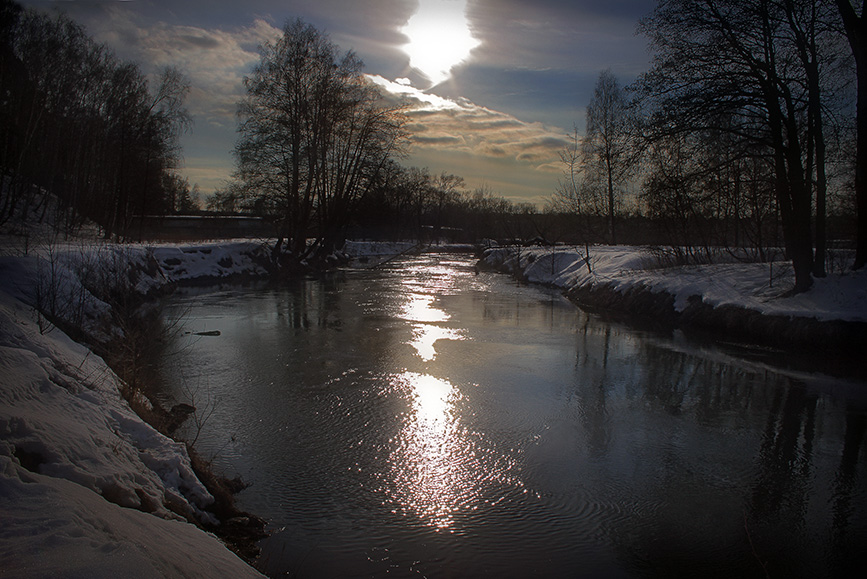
[78, 122]
[757, 64]
[808, 25]
[577, 196]
[606, 147]
[445, 190]
[314, 135]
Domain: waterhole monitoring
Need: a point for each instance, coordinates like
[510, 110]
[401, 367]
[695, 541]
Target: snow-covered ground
[87, 488]
[754, 286]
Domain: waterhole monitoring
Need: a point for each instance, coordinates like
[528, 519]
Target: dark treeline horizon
[741, 135]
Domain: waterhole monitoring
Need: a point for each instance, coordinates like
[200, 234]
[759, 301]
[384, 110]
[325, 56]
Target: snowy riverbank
[747, 299]
[90, 489]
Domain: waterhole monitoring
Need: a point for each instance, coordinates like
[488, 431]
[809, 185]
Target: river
[423, 420]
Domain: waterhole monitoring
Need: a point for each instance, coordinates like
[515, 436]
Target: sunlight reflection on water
[440, 471]
[426, 332]
[542, 442]
[420, 308]
[429, 463]
[425, 336]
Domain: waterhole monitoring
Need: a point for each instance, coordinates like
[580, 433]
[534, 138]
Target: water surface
[421, 420]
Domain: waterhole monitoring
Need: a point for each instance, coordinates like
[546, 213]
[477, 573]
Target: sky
[494, 87]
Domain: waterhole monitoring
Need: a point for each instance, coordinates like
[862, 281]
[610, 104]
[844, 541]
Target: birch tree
[607, 144]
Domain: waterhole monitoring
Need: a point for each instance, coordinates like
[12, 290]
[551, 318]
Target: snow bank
[212, 261]
[752, 286]
[89, 489]
[55, 528]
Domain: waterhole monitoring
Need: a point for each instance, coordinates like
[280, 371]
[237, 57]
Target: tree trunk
[861, 162]
[800, 246]
[804, 29]
[856, 33]
[794, 208]
[800, 242]
[611, 234]
[821, 210]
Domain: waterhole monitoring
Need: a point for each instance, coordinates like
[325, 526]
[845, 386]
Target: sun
[439, 38]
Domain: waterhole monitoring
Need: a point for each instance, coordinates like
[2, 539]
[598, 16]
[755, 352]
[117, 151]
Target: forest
[85, 126]
[746, 135]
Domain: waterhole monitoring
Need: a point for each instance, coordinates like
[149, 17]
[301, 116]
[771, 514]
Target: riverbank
[730, 300]
[89, 487]
[93, 487]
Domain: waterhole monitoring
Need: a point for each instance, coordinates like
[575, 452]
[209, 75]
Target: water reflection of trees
[711, 391]
[847, 542]
[591, 396]
[313, 303]
[786, 452]
[778, 423]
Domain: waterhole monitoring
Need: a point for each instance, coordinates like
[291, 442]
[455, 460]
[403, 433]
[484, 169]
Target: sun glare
[439, 38]
[434, 462]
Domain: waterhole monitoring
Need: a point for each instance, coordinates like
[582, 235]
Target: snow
[755, 286]
[88, 488]
[211, 261]
[53, 527]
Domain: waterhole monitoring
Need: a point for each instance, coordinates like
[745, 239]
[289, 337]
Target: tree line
[318, 150]
[408, 203]
[78, 122]
[740, 134]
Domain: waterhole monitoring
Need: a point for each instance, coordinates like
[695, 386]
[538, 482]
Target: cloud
[517, 159]
[438, 140]
[214, 59]
[206, 172]
[200, 41]
[513, 142]
[458, 125]
[566, 35]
